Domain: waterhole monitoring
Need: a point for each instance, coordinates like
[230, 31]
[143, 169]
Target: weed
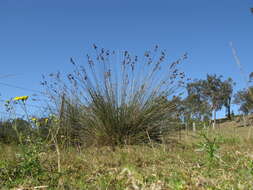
[25, 167]
[209, 146]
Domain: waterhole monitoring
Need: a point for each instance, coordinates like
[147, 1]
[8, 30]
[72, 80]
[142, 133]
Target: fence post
[194, 127]
[213, 125]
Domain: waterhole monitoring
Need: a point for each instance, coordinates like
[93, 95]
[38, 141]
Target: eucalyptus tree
[196, 104]
[243, 98]
[209, 95]
[251, 77]
[218, 93]
[227, 93]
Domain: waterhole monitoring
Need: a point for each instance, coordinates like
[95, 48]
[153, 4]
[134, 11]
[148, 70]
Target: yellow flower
[34, 119]
[46, 120]
[22, 98]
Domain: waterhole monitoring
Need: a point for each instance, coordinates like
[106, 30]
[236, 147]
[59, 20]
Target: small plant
[209, 146]
[17, 122]
[26, 165]
[29, 163]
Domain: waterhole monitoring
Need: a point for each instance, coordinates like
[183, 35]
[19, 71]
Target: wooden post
[244, 120]
[194, 127]
[214, 119]
[179, 132]
[187, 130]
[250, 127]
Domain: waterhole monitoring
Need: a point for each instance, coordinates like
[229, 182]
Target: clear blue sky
[39, 36]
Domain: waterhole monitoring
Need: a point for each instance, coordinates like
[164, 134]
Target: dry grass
[173, 166]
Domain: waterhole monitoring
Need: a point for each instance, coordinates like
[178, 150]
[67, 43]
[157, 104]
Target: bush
[114, 102]
[8, 134]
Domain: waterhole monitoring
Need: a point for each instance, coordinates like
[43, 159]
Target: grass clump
[118, 101]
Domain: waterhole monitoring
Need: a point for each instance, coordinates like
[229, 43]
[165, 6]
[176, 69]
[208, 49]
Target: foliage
[9, 135]
[227, 91]
[209, 146]
[212, 90]
[207, 95]
[196, 107]
[117, 101]
[244, 99]
[27, 165]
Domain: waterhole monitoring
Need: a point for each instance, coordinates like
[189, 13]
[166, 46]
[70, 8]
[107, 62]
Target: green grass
[174, 166]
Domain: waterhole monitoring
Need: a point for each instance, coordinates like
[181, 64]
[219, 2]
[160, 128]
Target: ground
[207, 159]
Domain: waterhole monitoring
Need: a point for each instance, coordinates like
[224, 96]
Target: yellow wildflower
[22, 98]
[34, 119]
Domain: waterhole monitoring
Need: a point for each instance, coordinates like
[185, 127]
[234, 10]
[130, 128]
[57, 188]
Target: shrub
[9, 135]
[111, 101]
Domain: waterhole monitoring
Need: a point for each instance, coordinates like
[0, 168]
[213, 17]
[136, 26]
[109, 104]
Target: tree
[244, 99]
[227, 92]
[251, 77]
[212, 90]
[210, 95]
[195, 104]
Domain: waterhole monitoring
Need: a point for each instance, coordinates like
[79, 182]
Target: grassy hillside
[208, 159]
